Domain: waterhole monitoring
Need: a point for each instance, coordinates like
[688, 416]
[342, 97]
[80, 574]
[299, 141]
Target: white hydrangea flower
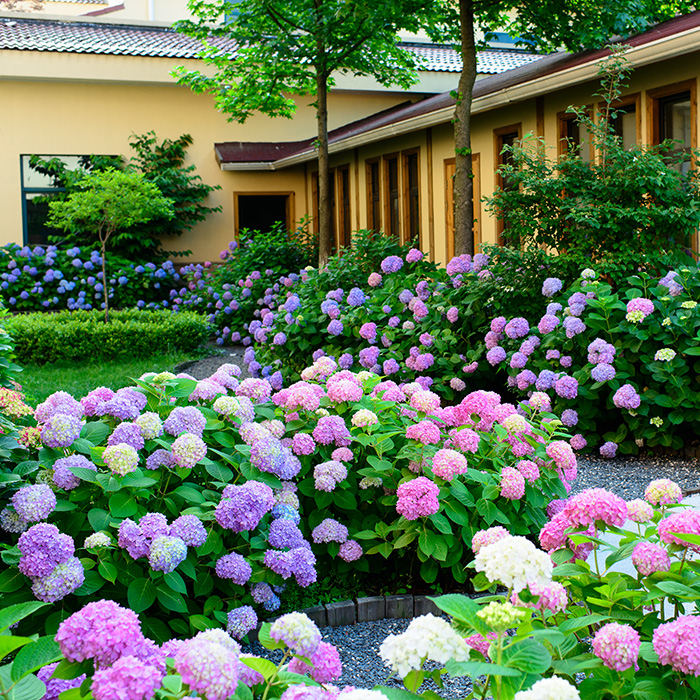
[515, 562]
[553, 688]
[427, 637]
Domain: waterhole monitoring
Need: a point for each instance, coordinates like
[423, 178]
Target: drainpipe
[151, 9]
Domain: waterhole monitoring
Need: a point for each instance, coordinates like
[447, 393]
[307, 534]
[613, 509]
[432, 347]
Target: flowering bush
[586, 626]
[197, 498]
[619, 366]
[40, 279]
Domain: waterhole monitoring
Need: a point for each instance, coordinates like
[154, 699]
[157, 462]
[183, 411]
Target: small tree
[106, 203]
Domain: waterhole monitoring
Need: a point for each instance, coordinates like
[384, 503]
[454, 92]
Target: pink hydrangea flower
[639, 511]
[448, 463]
[512, 484]
[596, 504]
[484, 538]
[685, 522]
[552, 596]
[676, 644]
[424, 431]
[617, 646]
[663, 492]
[466, 439]
[417, 498]
[648, 558]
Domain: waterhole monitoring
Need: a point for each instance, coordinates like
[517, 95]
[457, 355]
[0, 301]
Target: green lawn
[39, 381]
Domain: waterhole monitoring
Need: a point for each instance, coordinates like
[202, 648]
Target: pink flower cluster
[417, 498]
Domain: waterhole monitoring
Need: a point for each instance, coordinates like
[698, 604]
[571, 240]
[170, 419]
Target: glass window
[412, 197]
[374, 196]
[391, 180]
[625, 125]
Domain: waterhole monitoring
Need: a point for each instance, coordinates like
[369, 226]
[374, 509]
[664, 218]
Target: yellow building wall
[85, 117]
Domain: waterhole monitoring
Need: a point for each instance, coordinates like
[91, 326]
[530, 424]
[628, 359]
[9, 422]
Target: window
[392, 196]
[673, 116]
[505, 136]
[38, 186]
[374, 195]
[571, 137]
[261, 211]
[627, 121]
[411, 186]
[449, 166]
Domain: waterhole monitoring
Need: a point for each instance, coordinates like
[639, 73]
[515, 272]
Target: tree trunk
[103, 252]
[464, 178]
[325, 228]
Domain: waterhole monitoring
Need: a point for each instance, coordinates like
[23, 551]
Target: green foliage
[252, 266]
[670, 401]
[620, 208]
[9, 371]
[282, 47]
[18, 679]
[76, 335]
[163, 164]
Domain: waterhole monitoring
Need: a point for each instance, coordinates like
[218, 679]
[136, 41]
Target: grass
[39, 381]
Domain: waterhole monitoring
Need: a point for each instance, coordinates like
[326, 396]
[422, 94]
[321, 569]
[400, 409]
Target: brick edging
[348, 612]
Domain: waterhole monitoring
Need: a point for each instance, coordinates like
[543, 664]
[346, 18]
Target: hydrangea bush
[606, 609]
[619, 366]
[198, 500]
[57, 277]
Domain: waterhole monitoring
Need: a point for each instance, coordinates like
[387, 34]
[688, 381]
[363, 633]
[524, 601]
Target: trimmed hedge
[72, 335]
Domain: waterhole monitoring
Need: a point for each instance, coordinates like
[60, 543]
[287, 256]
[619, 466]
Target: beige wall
[84, 117]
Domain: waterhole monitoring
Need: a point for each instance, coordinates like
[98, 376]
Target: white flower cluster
[514, 562]
[553, 688]
[427, 637]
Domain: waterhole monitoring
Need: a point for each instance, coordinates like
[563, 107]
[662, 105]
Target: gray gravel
[358, 646]
[629, 476]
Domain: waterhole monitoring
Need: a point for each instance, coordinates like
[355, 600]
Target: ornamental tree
[106, 203]
[295, 47]
[545, 25]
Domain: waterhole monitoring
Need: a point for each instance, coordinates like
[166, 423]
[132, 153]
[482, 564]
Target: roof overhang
[554, 72]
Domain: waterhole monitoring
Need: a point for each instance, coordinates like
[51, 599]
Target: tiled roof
[444, 58]
[25, 34]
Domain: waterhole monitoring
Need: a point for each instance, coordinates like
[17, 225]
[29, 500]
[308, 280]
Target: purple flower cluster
[243, 507]
[185, 419]
[299, 562]
[34, 503]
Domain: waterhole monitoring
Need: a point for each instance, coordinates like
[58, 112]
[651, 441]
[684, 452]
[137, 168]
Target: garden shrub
[624, 208]
[621, 367]
[76, 335]
[184, 501]
[9, 371]
[59, 277]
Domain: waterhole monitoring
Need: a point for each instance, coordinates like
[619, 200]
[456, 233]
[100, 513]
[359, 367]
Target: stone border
[349, 612]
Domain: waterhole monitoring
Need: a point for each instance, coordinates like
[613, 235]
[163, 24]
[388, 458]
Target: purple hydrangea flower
[34, 503]
[569, 417]
[128, 677]
[335, 327]
[545, 380]
[573, 326]
[551, 286]
[166, 553]
[626, 397]
[208, 668]
[43, 547]
[188, 450]
[63, 580]
[129, 434]
[185, 419]
[241, 620]
[608, 450]
[496, 355]
[61, 430]
[233, 566]
[566, 387]
[190, 530]
[284, 534]
[356, 297]
[62, 475]
[242, 507]
[517, 328]
[392, 263]
[603, 372]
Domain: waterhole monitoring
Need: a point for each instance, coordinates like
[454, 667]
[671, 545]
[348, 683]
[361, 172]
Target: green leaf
[11, 580]
[93, 582]
[108, 571]
[478, 668]
[264, 667]
[141, 594]
[123, 504]
[219, 472]
[96, 432]
[171, 600]
[14, 613]
[397, 693]
[32, 657]
[527, 655]
[266, 640]
[99, 519]
[202, 622]
[85, 474]
[68, 670]
[8, 644]
[173, 684]
[577, 623]
[463, 609]
[677, 590]
[175, 582]
[29, 688]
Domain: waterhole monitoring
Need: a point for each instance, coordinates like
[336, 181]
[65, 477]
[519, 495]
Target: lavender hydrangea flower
[573, 326]
[242, 507]
[517, 328]
[284, 534]
[298, 632]
[62, 475]
[128, 677]
[190, 530]
[58, 402]
[61, 430]
[356, 297]
[233, 566]
[240, 407]
[160, 458]
[608, 450]
[127, 433]
[330, 530]
[299, 562]
[545, 380]
[551, 286]
[566, 387]
[269, 455]
[55, 686]
[603, 372]
[241, 620]
[132, 539]
[63, 580]
[208, 668]
[185, 419]
[43, 547]
[34, 503]
[626, 397]
[392, 263]
[150, 424]
[261, 592]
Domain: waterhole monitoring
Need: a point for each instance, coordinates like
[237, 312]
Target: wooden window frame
[289, 208]
[657, 94]
[498, 180]
[340, 203]
[371, 224]
[386, 158]
[563, 118]
[405, 194]
[449, 204]
[625, 101]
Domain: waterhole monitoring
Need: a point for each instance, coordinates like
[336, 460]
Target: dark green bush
[73, 335]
